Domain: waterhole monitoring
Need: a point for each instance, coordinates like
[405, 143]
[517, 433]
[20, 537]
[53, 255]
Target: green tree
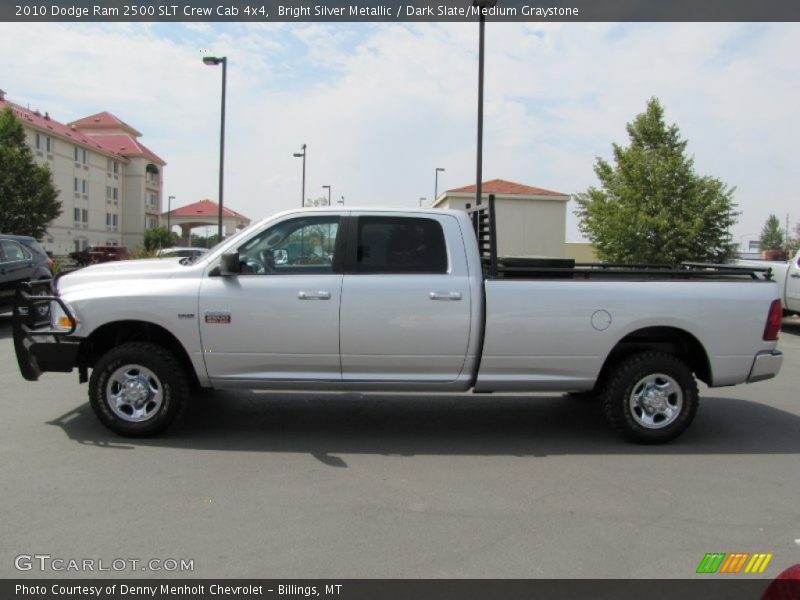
[772, 236]
[28, 198]
[651, 206]
[156, 238]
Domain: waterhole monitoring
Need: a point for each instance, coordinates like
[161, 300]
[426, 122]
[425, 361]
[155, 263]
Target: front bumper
[765, 366]
[38, 347]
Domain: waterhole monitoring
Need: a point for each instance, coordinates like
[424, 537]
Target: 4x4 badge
[218, 317]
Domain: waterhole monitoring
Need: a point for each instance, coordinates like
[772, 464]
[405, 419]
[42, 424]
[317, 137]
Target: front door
[278, 320]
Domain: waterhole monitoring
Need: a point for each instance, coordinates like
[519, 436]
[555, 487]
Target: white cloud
[380, 106]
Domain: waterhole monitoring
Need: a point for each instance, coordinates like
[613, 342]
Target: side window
[13, 251]
[400, 245]
[306, 245]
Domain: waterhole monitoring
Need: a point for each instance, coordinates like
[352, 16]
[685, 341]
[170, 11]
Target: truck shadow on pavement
[329, 425]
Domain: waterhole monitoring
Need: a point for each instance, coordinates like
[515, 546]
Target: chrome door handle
[314, 296]
[445, 295]
[795, 275]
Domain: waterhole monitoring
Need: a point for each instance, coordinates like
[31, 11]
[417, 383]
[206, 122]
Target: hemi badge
[220, 317]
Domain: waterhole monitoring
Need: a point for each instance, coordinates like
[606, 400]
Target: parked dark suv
[21, 259]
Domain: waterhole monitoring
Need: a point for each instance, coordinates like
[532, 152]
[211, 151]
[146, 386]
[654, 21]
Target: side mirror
[230, 264]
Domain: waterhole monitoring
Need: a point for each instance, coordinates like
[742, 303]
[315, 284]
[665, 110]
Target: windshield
[193, 259]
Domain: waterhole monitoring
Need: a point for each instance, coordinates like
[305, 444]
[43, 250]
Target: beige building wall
[66, 233]
[526, 225]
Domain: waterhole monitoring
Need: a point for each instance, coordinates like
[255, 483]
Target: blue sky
[381, 105]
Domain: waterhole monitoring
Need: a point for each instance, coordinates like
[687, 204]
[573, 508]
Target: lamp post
[169, 210]
[327, 187]
[481, 4]
[213, 61]
[303, 189]
[421, 200]
[436, 184]
[342, 201]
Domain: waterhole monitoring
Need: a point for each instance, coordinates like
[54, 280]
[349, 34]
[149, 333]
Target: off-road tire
[161, 363]
[619, 389]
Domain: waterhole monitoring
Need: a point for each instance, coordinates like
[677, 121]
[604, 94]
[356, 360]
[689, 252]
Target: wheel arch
[115, 333]
[671, 340]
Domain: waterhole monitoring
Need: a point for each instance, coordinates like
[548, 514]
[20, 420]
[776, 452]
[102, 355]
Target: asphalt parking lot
[347, 486]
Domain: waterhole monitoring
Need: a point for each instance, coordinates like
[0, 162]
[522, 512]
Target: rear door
[406, 302]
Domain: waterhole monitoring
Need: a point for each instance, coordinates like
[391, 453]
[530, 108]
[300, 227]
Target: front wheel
[650, 398]
[138, 389]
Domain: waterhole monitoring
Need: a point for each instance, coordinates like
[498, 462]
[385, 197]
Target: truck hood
[114, 272]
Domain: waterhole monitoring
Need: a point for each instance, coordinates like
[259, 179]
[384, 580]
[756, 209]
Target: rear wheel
[138, 389]
[650, 398]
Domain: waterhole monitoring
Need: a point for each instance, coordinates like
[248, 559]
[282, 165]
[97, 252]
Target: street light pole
[169, 210]
[481, 4]
[436, 184]
[303, 189]
[213, 61]
[421, 200]
[329, 193]
[342, 201]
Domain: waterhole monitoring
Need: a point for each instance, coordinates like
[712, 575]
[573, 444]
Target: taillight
[774, 319]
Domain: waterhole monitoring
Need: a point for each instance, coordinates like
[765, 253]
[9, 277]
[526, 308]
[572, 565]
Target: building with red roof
[203, 213]
[531, 221]
[110, 183]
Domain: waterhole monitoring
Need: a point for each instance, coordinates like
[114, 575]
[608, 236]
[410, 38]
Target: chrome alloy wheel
[134, 393]
[656, 401]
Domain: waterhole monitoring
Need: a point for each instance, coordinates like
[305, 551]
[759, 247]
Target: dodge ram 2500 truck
[397, 300]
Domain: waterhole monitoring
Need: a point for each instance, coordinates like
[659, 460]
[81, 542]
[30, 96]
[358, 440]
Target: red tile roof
[117, 145]
[44, 122]
[501, 186]
[127, 145]
[204, 208]
[104, 120]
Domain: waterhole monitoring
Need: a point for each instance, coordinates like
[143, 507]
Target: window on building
[108, 219]
[38, 142]
[76, 153]
[108, 192]
[84, 215]
[84, 186]
[114, 221]
[77, 214]
[49, 144]
[116, 168]
[115, 193]
[400, 245]
[76, 184]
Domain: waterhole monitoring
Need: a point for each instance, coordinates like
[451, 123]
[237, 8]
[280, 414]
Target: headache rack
[500, 267]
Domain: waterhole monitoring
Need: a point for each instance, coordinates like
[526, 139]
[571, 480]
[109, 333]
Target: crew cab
[398, 300]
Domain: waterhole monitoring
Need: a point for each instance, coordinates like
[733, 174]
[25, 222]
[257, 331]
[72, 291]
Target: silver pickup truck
[397, 300]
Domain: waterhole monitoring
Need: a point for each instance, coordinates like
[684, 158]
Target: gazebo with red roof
[531, 221]
[202, 214]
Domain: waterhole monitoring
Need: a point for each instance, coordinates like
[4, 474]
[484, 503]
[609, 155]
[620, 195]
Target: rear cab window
[400, 245]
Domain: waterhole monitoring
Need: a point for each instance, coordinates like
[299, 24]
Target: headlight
[60, 320]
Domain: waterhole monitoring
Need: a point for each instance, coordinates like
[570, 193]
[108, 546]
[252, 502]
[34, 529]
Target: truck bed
[497, 267]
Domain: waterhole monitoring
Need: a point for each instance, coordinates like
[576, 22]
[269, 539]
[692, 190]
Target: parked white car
[177, 251]
[787, 275]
